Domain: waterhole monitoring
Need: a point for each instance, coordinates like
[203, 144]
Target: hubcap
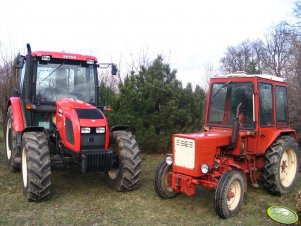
[8, 139]
[113, 173]
[288, 167]
[233, 195]
[24, 167]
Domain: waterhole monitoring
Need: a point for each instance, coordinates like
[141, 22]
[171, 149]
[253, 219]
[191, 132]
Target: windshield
[225, 97]
[55, 81]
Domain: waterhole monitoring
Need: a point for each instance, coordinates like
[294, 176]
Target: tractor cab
[258, 103]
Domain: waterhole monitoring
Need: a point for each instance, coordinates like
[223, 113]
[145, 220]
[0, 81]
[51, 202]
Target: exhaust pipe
[235, 130]
[28, 49]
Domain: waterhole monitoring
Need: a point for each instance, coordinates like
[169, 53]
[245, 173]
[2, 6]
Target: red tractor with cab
[55, 118]
[246, 133]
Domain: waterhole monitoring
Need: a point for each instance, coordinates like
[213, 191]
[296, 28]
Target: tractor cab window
[225, 99]
[266, 115]
[281, 106]
[55, 81]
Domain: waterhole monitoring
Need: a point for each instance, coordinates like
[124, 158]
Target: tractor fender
[282, 132]
[18, 122]
[120, 127]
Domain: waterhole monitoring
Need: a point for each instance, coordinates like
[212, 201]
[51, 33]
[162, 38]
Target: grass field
[84, 199]
[1, 134]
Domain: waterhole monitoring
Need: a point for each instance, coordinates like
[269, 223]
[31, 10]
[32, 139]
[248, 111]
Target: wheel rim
[233, 195]
[8, 139]
[167, 181]
[24, 167]
[114, 172]
[288, 167]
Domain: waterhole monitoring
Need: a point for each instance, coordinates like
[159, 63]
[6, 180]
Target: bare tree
[244, 57]
[8, 81]
[278, 49]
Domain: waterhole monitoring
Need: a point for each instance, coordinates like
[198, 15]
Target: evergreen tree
[155, 104]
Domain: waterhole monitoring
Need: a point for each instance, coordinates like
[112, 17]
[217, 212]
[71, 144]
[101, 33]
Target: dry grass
[84, 199]
[1, 133]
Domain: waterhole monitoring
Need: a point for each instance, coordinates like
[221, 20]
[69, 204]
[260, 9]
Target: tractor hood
[72, 115]
[191, 151]
[215, 138]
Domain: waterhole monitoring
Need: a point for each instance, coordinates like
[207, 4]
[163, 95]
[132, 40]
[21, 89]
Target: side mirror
[114, 69]
[20, 62]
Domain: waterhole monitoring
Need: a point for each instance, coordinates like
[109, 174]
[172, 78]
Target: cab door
[266, 116]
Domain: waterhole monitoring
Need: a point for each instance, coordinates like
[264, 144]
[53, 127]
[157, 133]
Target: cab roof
[62, 55]
[240, 74]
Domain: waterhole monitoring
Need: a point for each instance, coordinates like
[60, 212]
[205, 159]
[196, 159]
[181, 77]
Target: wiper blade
[52, 72]
[223, 86]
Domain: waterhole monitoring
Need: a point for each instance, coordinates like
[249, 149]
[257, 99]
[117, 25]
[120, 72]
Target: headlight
[85, 130]
[205, 168]
[100, 130]
[168, 160]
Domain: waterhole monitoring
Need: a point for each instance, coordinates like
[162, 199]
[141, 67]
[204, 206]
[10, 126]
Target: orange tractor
[246, 133]
[55, 118]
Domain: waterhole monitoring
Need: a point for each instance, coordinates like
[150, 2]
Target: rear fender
[283, 132]
[18, 116]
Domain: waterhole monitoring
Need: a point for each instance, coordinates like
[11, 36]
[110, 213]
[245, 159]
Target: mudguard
[18, 122]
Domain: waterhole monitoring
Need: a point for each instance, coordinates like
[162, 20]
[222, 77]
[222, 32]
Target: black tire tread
[161, 170]
[271, 167]
[39, 169]
[130, 168]
[220, 203]
[12, 165]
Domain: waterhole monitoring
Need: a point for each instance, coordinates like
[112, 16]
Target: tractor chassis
[186, 184]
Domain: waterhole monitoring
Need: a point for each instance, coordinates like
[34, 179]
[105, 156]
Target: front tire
[163, 181]
[125, 174]
[229, 194]
[281, 166]
[10, 143]
[36, 168]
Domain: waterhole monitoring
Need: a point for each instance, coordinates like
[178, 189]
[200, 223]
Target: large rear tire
[229, 194]
[10, 143]
[163, 181]
[125, 174]
[281, 166]
[36, 167]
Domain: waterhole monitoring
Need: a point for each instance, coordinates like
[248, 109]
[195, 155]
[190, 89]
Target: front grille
[92, 140]
[69, 131]
[96, 161]
[184, 152]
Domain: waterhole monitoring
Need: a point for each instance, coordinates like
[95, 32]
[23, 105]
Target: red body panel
[60, 55]
[18, 119]
[206, 147]
[66, 109]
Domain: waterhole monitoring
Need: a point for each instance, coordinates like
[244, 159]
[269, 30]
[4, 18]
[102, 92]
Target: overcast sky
[189, 33]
